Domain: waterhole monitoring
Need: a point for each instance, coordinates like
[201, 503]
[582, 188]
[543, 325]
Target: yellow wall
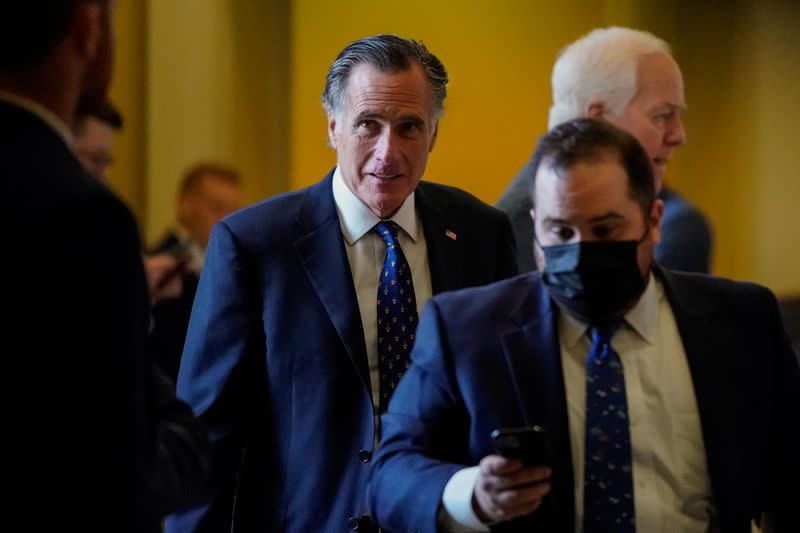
[742, 70]
[242, 80]
[498, 55]
[128, 94]
[216, 83]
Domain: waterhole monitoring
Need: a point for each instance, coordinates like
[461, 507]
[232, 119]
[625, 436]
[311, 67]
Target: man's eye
[564, 233]
[664, 116]
[367, 127]
[409, 128]
[602, 232]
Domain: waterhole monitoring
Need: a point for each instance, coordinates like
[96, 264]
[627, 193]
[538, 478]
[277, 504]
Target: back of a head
[601, 65]
[30, 30]
[387, 53]
[586, 140]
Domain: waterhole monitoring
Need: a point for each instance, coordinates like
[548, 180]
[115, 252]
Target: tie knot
[602, 334]
[387, 229]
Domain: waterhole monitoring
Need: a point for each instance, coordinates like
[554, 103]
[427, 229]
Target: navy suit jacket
[275, 361]
[80, 398]
[686, 236]
[473, 345]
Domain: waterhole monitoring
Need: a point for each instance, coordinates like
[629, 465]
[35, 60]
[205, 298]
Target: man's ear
[86, 29]
[332, 132]
[656, 213]
[595, 109]
[434, 136]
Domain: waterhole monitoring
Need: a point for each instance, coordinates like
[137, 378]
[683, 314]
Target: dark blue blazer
[474, 345]
[80, 400]
[275, 361]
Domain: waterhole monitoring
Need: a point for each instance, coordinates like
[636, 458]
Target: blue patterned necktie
[397, 314]
[608, 477]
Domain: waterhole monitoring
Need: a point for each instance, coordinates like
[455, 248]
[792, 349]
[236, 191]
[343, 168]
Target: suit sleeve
[416, 457]
[211, 378]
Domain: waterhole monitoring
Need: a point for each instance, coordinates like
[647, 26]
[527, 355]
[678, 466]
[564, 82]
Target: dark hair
[588, 139]
[30, 29]
[196, 173]
[105, 112]
[387, 53]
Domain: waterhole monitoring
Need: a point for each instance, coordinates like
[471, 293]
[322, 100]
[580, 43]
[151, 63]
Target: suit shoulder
[720, 289]
[516, 199]
[459, 199]
[677, 208]
[492, 301]
[271, 215]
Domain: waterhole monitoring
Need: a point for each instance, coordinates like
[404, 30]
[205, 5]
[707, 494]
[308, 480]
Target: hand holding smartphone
[529, 444]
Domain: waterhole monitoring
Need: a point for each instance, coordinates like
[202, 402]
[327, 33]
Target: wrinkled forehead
[659, 81]
[368, 87]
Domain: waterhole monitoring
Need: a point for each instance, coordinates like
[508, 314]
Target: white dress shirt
[44, 114]
[672, 489]
[366, 252]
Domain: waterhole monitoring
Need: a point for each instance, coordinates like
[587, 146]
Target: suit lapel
[445, 249]
[533, 357]
[320, 248]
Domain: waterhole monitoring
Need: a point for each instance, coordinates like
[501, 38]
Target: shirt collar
[357, 219]
[642, 317]
[41, 112]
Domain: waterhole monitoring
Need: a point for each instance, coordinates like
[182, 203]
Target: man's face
[383, 135]
[590, 202]
[653, 115]
[93, 147]
[211, 201]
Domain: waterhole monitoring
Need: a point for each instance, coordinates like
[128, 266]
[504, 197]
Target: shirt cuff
[456, 513]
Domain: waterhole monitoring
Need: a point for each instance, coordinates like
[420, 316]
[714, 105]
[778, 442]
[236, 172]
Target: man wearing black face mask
[671, 402]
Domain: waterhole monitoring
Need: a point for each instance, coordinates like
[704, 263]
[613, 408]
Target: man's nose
[386, 147]
[676, 135]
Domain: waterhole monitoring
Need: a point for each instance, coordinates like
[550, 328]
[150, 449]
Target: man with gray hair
[307, 304]
[629, 78]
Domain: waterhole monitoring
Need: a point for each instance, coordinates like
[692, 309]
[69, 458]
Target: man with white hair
[629, 78]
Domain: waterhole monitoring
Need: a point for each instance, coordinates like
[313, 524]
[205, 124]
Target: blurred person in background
[95, 130]
[208, 192]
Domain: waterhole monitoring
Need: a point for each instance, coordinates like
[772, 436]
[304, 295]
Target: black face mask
[596, 281]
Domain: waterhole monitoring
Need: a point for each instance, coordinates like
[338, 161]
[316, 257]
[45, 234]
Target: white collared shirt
[672, 488]
[366, 252]
[44, 114]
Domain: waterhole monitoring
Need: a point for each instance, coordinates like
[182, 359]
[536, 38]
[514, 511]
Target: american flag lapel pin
[451, 234]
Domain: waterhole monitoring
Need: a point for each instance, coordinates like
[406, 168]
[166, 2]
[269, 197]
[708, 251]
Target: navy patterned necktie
[608, 476]
[397, 314]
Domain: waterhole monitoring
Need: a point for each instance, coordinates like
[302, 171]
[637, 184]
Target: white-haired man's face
[655, 113]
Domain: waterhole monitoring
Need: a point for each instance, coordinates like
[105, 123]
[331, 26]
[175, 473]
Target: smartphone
[529, 444]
